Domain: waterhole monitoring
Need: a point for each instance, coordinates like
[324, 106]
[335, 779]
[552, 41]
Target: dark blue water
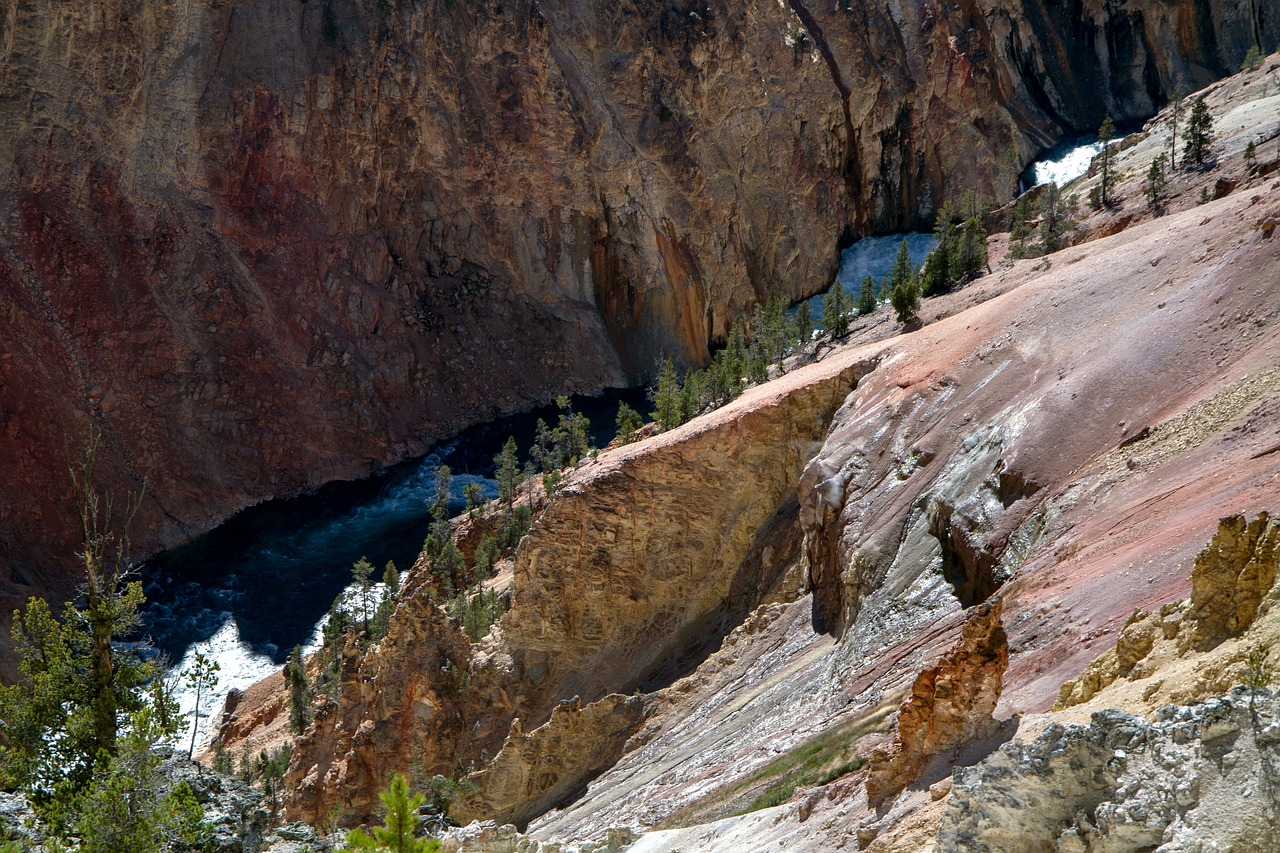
[266, 577]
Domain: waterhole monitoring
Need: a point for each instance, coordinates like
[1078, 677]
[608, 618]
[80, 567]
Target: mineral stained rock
[258, 246]
[1202, 777]
[1230, 581]
[950, 704]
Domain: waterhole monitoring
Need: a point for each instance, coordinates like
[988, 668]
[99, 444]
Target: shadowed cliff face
[260, 246]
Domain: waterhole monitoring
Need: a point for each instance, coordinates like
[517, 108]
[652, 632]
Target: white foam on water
[1059, 168]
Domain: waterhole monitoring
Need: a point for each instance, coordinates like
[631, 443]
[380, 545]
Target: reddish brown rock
[950, 705]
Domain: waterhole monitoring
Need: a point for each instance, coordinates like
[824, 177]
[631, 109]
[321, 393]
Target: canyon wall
[260, 246]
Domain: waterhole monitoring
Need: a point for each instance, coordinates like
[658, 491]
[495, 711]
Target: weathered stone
[1201, 777]
[535, 771]
[1231, 576]
[950, 704]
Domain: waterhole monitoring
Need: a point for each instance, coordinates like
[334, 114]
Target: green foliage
[802, 325]
[970, 253]
[905, 293]
[770, 335]
[443, 791]
[1252, 59]
[629, 422]
[692, 394]
[867, 297]
[1055, 219]
[905, 299]
[295, 675]
[668, 403]
[1106, 133]
[222, 762]
[397, 832]
[1199, 133]
[476, 610]
[1021, 229]
[818, 761]
[80, 724]
[124, 809]
[1250, 152]
[507, 472]
[473, 493]
[76, 680]
[936, 275]
[557, 448]
[362, 574]
[551, 482]
[835, 311]
[1258, 672]
[514, 528]
[387, 605]
[486, 554]
[725, 375]
[1154, 188]
[201, 677]
[1176, 104]
[268, 770]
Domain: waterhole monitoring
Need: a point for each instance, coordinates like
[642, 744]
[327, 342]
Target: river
[249, 591]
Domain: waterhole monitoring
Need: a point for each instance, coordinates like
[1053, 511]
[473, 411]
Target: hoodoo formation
[990, 570]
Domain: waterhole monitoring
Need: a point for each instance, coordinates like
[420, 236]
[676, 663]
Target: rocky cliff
[774, 578]
[260, 246]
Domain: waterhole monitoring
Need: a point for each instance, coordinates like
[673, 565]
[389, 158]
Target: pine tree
[444, 480]
[936, 276]
[361, 572]
[295, 675]
[905, 299]
[628, 421]
[1173, 138]
[902, 272]
[835, 311]
[1021, 228]
[1154, 189]
[802, 326]
[867, 296]
[507, 472]
[472, 493]
[1199, 133]
[667, 399]
[396, 834]
[1055, 219]
[201, 677]
[77, 679]
[1106, 133]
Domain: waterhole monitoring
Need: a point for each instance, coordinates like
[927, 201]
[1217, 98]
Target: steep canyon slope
[258, 246]
[745, 601]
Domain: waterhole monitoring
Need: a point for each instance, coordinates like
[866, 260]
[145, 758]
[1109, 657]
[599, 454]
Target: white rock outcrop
[1200, 778]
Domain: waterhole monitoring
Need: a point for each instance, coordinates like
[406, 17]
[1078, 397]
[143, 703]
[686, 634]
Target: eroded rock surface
[538, 770]
[261, 246]
[1231, 580]
[1200, 777]
[950, 704]
[645, 559]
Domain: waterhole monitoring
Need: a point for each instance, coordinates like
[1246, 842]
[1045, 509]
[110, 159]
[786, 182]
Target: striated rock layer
[1063, 435]
[263, 245]
[645, 559]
